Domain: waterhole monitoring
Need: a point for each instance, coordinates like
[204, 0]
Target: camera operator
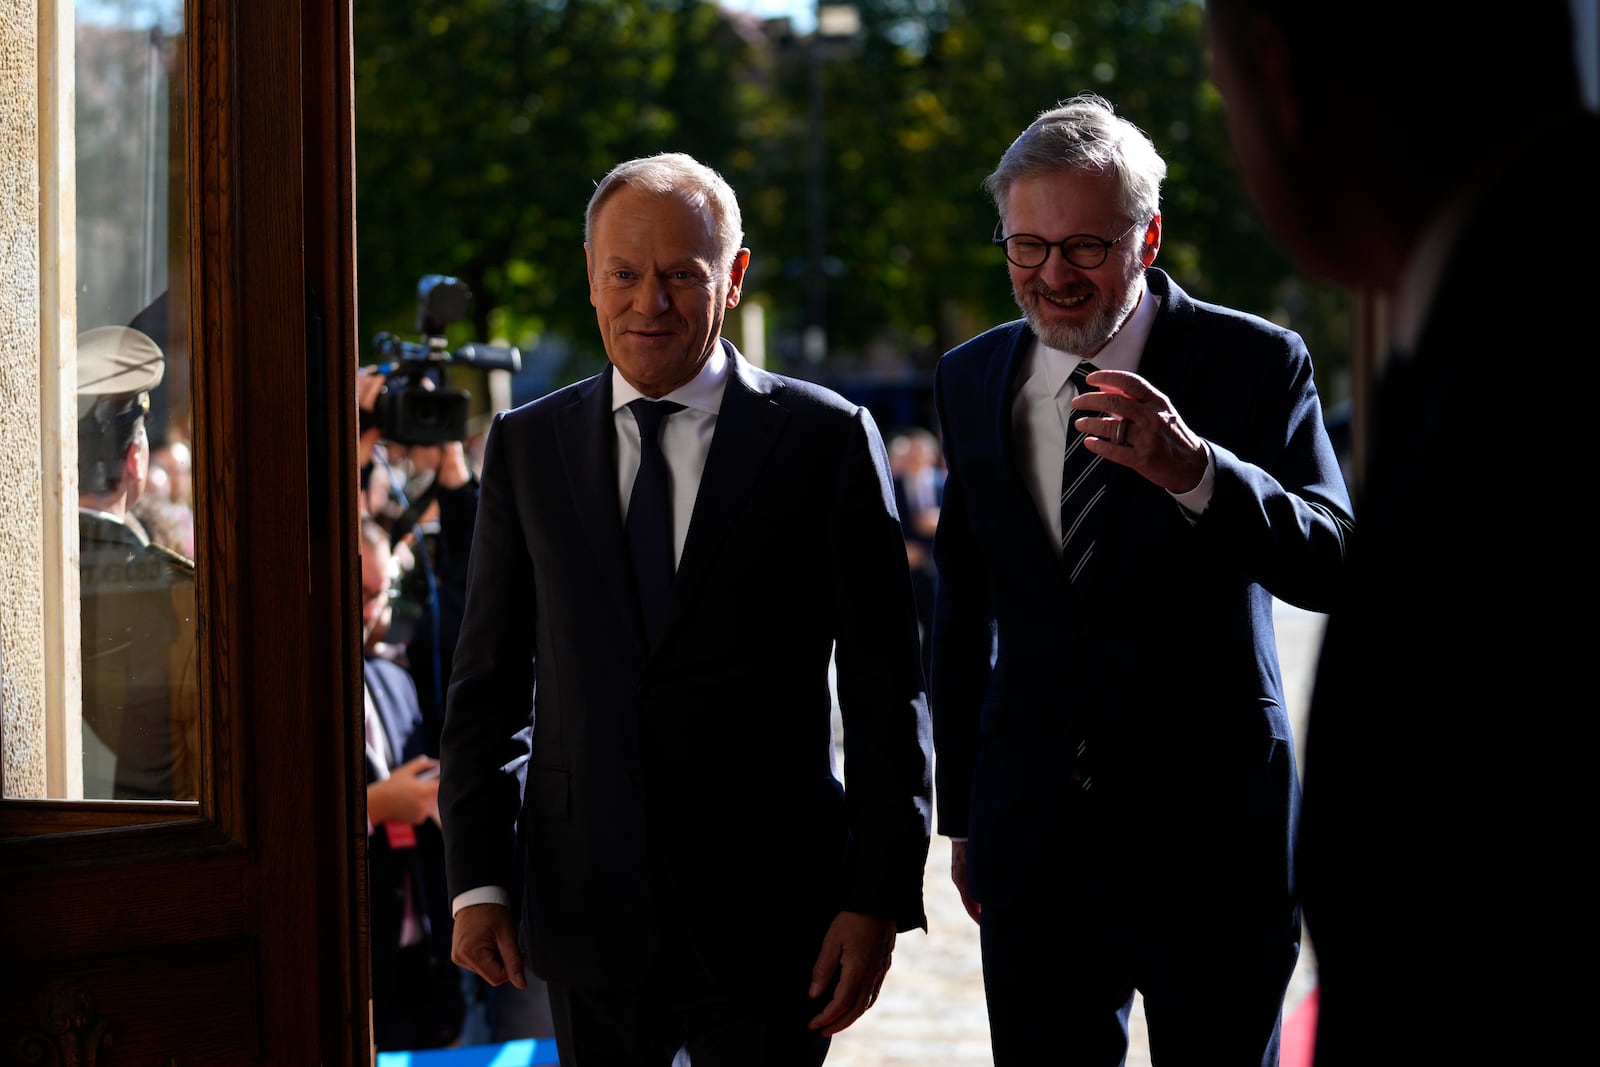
[418, 997]
[417, 481]
[395, 479]
[436, 565]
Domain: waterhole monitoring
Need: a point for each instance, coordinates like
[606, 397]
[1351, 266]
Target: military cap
[117, 368]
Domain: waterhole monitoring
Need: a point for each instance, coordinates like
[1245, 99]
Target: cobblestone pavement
[931, 1012]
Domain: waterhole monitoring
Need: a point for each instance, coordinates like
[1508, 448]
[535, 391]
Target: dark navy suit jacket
[1163, 662]
[706, 760]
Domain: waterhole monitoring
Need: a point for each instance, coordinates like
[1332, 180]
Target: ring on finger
[1121, 437]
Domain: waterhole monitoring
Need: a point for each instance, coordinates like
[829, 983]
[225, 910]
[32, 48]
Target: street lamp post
[836, 23]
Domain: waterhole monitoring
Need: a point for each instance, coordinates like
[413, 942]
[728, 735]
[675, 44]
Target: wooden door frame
[230, 931]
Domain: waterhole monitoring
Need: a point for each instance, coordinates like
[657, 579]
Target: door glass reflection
[117, 635]
[135, 431]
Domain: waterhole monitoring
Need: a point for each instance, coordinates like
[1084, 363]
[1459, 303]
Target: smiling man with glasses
[1114, 760]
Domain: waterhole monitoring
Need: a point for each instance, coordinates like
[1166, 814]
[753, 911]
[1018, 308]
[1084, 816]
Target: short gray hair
[676, 174]
[1084, 134]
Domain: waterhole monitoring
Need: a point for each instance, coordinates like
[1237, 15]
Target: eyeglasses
[1083, 250]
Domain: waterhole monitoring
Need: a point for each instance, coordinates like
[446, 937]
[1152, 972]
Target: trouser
[1061, 964]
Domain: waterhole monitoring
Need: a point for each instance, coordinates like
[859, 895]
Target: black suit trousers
[681, 1006]
[1061, 963]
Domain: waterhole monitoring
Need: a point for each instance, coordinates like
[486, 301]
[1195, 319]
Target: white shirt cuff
[488, 894]
[1196, 500]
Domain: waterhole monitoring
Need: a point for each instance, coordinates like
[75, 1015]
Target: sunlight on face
[659, 295]
[1072, 309]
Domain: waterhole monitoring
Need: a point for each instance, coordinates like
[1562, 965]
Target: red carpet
[1299, 1033]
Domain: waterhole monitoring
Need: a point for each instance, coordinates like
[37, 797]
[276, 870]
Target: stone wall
[22, 628]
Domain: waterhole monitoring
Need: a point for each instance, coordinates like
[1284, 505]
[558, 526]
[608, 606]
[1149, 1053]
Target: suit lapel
[748, 427]
[1162, 362]
[586, 436]
[1000, 376]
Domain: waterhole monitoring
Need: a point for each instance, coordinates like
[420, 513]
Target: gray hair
[676, 174]
[1084, 134]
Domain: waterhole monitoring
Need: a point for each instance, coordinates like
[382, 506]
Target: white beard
[1090, 337]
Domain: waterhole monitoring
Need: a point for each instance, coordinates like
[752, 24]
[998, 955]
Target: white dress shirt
[378, 751]
[685, 438]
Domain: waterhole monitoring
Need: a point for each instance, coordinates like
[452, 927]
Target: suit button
[635, 779]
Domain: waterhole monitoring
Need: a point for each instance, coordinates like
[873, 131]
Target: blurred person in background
[918, 468]
[428, 495]
[173, 459]
[167, 523]
[166, 508]
[416, 990]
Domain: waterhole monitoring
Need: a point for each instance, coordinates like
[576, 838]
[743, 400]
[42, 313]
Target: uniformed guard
[137, 598]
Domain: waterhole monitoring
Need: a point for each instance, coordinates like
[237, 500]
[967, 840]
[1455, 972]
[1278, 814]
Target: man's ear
[741, 263]
[134, 472]
[1152, 241]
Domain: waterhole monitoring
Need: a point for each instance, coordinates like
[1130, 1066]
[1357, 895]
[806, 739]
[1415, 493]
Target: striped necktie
[1083, 485]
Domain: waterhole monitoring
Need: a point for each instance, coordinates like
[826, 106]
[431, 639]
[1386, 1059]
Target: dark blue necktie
[650, 517]
[1083, 484]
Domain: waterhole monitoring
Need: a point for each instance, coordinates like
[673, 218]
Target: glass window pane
[119, 650]
[135, 430]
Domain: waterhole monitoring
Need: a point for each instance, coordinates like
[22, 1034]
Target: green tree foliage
[928, 100]
[483, 124]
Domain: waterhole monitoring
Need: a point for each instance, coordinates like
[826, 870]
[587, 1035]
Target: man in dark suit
[137, 605]
[1115, 763]
[416, 989]
[1425, 158]
[689, 870]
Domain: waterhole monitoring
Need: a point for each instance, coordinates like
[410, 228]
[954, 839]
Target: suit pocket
[549, 793]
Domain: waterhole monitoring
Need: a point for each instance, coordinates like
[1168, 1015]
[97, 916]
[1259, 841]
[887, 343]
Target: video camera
[415, 407]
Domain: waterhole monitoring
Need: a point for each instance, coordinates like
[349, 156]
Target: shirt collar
[106, 515]
[703, 391]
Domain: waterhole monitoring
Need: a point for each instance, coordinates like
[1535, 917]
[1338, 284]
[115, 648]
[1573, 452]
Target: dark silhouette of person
[1392, 148]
